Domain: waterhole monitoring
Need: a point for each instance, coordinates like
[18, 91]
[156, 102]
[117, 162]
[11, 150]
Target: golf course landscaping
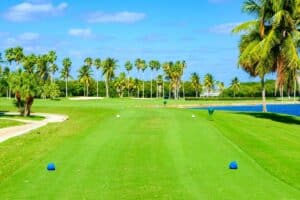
[151, 151]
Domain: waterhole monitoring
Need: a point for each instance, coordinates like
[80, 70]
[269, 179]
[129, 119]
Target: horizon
[130, 30]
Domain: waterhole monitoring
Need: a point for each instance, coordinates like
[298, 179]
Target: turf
[7, 123]
[151, 152]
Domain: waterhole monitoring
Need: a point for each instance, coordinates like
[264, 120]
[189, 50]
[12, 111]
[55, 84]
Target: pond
[289, 109]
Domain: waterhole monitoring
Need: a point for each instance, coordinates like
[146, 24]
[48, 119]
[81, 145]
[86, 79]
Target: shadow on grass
[31, 117]
[274, 117]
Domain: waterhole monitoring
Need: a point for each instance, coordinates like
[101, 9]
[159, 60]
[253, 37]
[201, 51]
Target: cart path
[13, 131]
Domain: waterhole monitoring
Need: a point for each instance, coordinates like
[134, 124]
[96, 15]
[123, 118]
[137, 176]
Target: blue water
[289, 109]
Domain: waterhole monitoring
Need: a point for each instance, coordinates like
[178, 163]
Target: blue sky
[197, 31]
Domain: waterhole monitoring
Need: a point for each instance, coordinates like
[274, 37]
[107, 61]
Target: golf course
[151, 151]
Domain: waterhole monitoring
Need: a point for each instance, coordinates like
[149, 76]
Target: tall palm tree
[269, 43]
[88, 62]
[142, 65]
[14, 55]
[159, 81]
[183, 67]
[29, 63]
[65, 72]
[43, 67]
[153, 64]
[85, 77]
[128, 67]
[98, 65]
[235, 85]
[108, 71]
[121, 84]
[167, 70]
[195, 79]
[53, 67]
[137, 64]
[157, 68]
[254, 33]
[209, 83]
[221, 86]
[6, 74]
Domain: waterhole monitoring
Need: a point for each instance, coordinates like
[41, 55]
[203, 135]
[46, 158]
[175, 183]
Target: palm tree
[167, 70]
[183, 66]
[137, 64]
[121, 84]
[209, 83]
[6, 81]
[43, 70]
[85, 77]
[53, 67]
[29, 63]
[195, 79]
[235, 85]
[128, 67]
[157, 68]
[221, 86]
[159, 81]
[65, 72]
[269, 42]
[153, 64]
[98, 65]
[88, 62]
[109, 67]
[143, 67]
[14, 55]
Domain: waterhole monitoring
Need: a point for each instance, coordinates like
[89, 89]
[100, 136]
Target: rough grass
[150, 152]
[7, 123]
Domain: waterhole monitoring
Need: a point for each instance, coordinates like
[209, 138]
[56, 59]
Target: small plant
[165, 103]
[210, 111]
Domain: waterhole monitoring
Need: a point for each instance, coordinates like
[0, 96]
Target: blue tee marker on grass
[51, 167]
[233, 165]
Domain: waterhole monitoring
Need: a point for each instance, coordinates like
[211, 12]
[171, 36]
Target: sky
[197, 31]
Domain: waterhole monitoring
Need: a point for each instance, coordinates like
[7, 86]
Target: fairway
[150, 152]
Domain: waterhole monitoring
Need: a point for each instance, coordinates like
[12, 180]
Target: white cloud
[29, 36]
[27, 11]
[118, 17]
[77, 32]
[223, 28]
[22, 39]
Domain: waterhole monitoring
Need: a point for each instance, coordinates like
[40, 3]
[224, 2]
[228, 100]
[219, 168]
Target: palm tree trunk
[163, 87]
[263, 93]
[66, 87]
[151, 84]
[170, 89]
[87, 90]
[128, 83]
[97, 84]
[106, 86]
[143, 85]
[138, 88]
[295, 89]
[183, 90]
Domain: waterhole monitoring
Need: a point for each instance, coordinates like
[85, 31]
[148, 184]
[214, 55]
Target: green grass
[33, 117]
[151, 152]
[7, 123]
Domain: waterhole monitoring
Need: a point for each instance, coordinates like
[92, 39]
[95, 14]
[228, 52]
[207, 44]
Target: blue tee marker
[233, 165]
[51, 167]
